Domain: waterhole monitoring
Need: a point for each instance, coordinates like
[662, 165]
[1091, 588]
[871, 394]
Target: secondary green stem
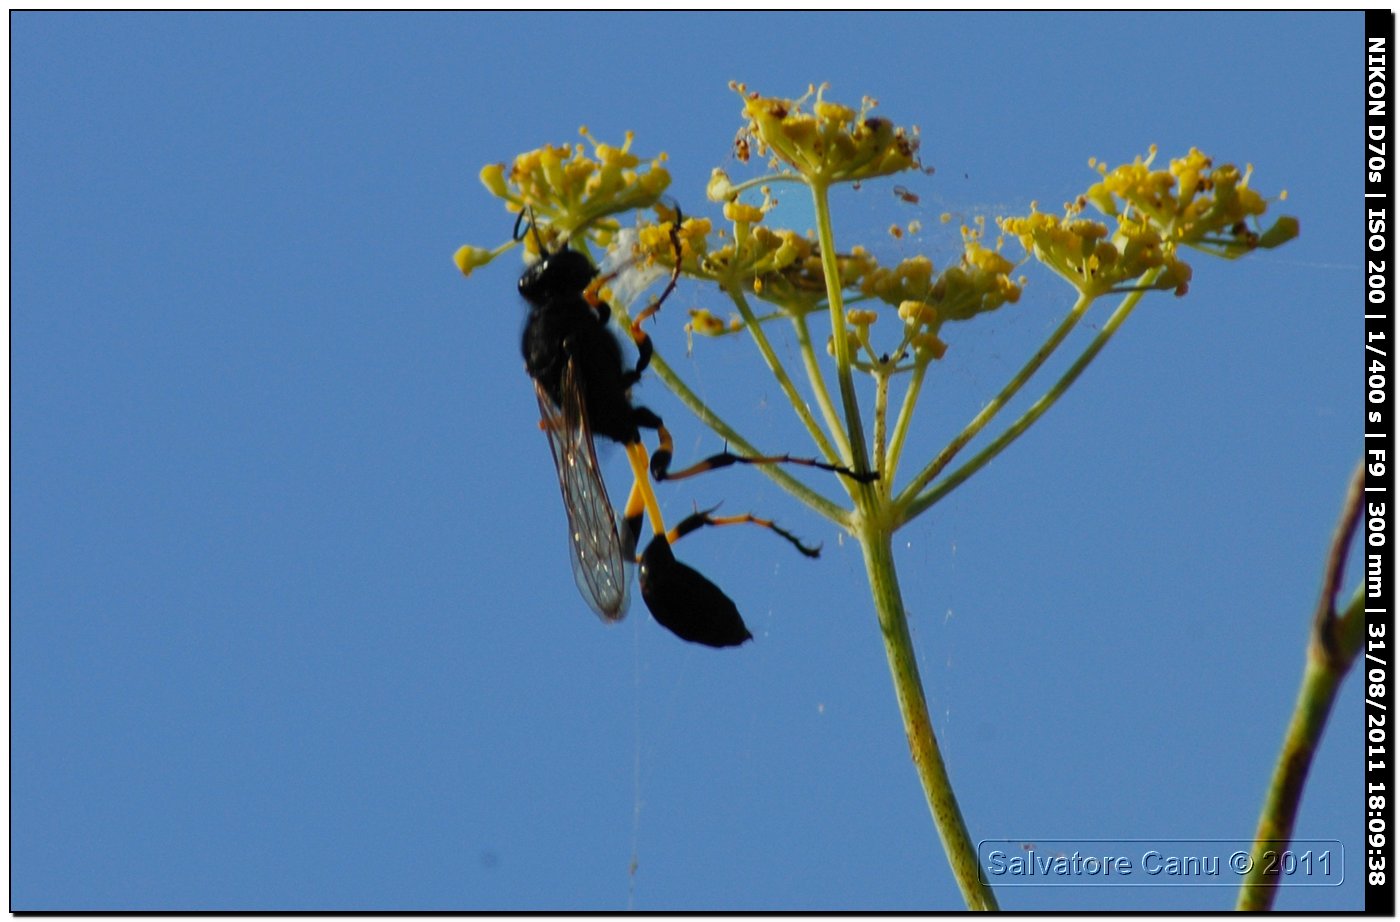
[1037, 409]
[775, 365]
[1334, 645]
[979, 421]
[901, 426]
[1322, 676]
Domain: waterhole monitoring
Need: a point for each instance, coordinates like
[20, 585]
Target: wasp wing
[595, 548]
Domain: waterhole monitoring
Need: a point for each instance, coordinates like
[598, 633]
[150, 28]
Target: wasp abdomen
[685, 602]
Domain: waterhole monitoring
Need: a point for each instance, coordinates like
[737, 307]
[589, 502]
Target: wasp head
[556, 275]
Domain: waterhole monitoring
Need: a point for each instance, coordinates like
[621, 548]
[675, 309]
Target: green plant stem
[874, 529]
[759, 182]
[1334, 645]
[923, 744]
[882, 397]
[831, 269]
[818, 383]
[901, 426]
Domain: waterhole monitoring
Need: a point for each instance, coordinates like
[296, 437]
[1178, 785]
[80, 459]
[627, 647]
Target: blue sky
[293, 625]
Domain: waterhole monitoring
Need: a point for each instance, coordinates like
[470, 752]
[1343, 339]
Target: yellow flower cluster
[1204, 206]
[573, 192]
[1192, 203]
[980, 282]
[1096, 262]
[832, 143]
[568, 190]
[784, 268]
[921, 322]
[780, 266]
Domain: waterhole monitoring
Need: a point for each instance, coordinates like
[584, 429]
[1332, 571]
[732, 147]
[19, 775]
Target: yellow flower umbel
[1201, 206]
[1091, 259]
[980, 282]
[1156, 212]
[570, 191]
[833, 143]
[777, 265]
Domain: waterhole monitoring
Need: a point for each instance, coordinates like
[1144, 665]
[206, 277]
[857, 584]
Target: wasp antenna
[528, 213]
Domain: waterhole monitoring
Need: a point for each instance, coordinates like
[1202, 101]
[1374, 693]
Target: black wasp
[583, 385]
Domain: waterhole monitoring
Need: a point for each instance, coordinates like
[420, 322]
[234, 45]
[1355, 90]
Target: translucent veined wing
[595, 548]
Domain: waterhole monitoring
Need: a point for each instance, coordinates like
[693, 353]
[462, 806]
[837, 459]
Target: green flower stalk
[889, 326]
